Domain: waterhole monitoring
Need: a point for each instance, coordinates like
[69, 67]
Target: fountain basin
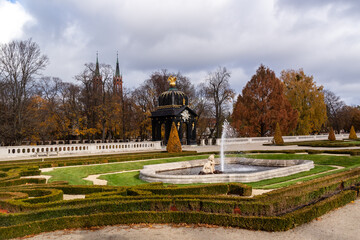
[157, 172]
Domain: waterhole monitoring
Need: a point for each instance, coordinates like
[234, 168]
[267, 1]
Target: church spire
[97, 79]
[117, 80]
[117, 73]
[97, 69]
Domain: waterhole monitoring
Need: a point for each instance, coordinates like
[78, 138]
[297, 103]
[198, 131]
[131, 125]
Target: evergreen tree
[352, 133]
[331, 135]
[278, 136]
[173, 145]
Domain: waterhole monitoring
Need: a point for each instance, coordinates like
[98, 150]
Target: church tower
[117, 80]
[97, 79]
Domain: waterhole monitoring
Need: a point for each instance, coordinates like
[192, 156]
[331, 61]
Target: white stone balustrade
[70, 149]
[230, 141]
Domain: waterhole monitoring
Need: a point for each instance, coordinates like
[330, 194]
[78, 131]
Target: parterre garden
[30, 206]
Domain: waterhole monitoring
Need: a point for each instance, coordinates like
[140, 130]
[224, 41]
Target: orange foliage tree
[174, 144]
[352, 134]
[331, 136]
[261, 105]
[278, 140]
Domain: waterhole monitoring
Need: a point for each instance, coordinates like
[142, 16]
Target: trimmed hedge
[20, 181]
[282, 223]
[219, 204]
[309, 213]
[71, 161]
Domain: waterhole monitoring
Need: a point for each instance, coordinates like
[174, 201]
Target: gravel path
[338, 224]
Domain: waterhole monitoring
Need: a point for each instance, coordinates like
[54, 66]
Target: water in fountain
[224, 134]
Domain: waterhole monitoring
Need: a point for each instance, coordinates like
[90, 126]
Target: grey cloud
[197, 36]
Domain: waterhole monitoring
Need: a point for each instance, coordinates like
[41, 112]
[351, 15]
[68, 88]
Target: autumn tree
[20, 63]
[70, 119]
[219, 95]
[141, 113]
[89, 103]
[307, 99]
[96, 100]
[261, 105]
[45, 110]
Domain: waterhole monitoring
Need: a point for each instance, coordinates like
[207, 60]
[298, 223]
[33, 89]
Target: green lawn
[132, 178]
[123, 179]
[315, 170]
[75, 175]
[326, 143]
[343, 161]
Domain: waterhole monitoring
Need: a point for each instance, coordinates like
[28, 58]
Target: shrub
[332, 135]
[352, 133]
[173, 145]
[278, 136]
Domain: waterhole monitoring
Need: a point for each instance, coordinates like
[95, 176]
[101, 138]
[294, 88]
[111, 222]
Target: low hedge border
[282, 200]
[212, 189]
[103, 193]
[71, 161]
[311, 212]
[281, 223]
[276, 203]
[21, 181]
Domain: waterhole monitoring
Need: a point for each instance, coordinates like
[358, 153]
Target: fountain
[224, 133]
[230, 169]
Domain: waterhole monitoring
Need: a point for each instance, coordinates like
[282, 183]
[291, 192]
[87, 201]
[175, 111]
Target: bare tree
[20, 62]
[219, 94]
[334, 108]
[145, 97]
[96, 100]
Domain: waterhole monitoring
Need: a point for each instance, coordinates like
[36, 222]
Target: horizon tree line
[35, 108]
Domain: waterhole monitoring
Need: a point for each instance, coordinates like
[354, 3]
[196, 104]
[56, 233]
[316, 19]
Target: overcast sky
[194, 37]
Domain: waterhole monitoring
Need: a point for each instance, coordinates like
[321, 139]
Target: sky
[194, 37]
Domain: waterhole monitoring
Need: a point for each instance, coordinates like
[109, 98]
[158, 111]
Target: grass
[123, 179]
[326, 143]
[75, 175]
[343, 161]
[317, 169]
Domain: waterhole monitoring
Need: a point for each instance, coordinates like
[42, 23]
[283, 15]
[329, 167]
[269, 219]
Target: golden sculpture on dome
[172, 81]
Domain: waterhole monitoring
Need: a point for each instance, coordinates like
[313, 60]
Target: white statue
[209, 166]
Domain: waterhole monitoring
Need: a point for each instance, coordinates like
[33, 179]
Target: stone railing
[69, 149]
[230, 141]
